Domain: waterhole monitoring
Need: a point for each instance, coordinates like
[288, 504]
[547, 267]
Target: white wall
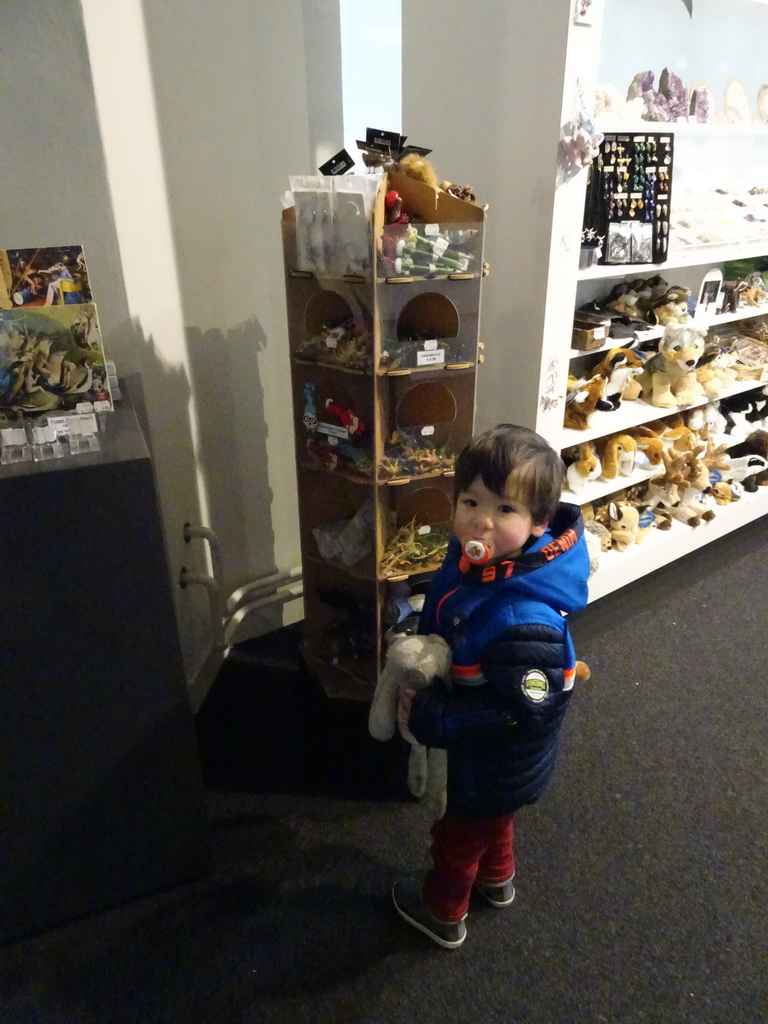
[202, 113]
[482, 86]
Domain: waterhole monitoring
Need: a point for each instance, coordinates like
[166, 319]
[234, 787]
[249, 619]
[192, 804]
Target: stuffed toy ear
[382, 718]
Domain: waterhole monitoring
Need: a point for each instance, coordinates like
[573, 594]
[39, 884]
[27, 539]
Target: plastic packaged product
[314, 223]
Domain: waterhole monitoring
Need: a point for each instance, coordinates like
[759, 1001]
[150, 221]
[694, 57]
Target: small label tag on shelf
[599, 333]
[13, 435]
[61, 424]
[424, 530]
[333, 430]
[83, 407]
[427, 431]
[431, 229]
[428, 358]
[430, 345]
[103, 406]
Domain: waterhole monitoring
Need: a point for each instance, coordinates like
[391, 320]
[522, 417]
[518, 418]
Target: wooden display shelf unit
[348, 419]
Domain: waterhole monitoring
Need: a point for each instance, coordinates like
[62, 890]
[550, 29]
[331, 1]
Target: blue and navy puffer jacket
[513, 667]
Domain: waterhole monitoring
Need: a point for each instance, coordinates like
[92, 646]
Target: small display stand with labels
[383, 332]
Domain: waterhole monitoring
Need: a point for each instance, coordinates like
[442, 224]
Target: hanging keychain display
[580, 143]
[629, 197]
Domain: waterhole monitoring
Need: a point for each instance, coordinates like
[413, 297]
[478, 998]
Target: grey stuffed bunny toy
[413, 662]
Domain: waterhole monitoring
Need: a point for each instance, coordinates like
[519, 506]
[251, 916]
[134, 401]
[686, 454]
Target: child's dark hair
[506, 449]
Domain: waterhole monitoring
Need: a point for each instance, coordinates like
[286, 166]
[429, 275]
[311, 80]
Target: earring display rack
[383, 368]
[629, 197]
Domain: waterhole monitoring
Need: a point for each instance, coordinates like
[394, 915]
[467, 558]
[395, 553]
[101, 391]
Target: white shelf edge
[680, 258]
[745, 313]
[633, 414]
[684, 128]
[619, 568]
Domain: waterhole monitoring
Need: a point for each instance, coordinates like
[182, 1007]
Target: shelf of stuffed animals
[618, 568]
[635, 413]
[697, 256]
[653, 333]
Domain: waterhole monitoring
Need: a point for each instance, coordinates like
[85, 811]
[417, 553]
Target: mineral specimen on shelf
[699, 108]
[672, 88]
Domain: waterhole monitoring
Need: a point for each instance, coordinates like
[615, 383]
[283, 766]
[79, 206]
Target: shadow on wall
[160, 393]
[233, 433]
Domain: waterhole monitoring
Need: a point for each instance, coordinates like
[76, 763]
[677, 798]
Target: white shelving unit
[535, 282]
[661, 547]
[617, 569]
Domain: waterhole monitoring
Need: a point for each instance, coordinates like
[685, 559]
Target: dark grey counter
[100, 792]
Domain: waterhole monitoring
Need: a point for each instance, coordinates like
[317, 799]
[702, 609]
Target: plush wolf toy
[669, 378]
[413, 662]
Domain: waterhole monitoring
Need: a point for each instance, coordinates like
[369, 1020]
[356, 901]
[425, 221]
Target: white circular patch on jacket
[535, 685]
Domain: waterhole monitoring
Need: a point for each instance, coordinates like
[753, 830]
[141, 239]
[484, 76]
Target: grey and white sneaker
[499, 894]
[410, 905]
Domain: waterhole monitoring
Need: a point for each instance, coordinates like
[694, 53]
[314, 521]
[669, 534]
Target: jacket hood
[554, 568]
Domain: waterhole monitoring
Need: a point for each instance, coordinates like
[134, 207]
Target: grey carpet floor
[642, 873]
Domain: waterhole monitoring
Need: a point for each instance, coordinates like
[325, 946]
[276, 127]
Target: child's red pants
[464, 849]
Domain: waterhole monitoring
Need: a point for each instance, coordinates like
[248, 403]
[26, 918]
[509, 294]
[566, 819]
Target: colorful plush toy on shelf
[624, 524]
[416, 166]
[620, 367]
[650, 446]
[715, 372]
[669, 378]
[583, 398]
[618, 455]
[598, 538]
[584, 468]
[625, 303]
[672, 307]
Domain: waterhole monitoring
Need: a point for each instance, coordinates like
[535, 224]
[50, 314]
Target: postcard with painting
[52, 276]
[51, 358]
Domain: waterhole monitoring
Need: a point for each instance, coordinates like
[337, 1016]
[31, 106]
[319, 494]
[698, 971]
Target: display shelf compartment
[432, 323]
[719, 319]
[433, 414]
[633, 414]
[429, 505]
[617, 569]
[433, 251]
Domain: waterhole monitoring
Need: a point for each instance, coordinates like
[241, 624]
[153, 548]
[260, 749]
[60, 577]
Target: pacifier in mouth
[475, 552]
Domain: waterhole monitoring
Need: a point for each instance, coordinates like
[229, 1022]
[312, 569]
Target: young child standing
[517, 562]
